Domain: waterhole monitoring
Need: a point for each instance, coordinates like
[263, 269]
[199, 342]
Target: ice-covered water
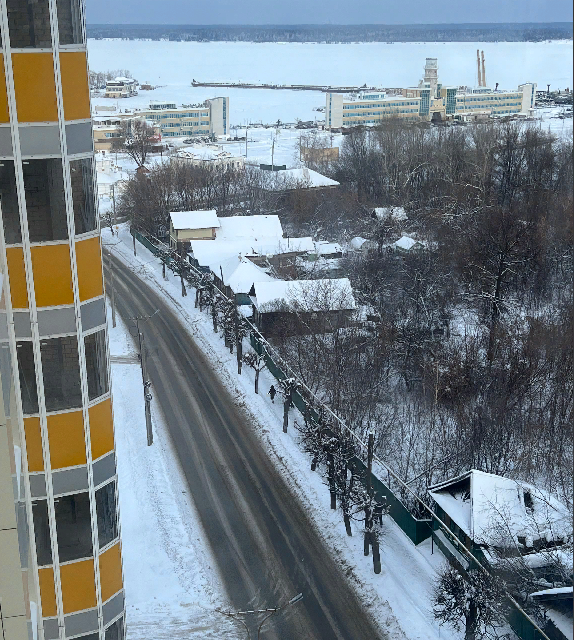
[175, 64]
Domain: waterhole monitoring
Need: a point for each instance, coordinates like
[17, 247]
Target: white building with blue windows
[430, 100]
[210, 118]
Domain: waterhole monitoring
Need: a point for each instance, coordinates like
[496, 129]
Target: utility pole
[246, 132]
[272, 153]
[134, 238]
[146, 382]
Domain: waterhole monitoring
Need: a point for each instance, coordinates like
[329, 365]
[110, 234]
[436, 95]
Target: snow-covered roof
[239, 273]
[295, 178]
[220, 249]
[555, 591]
[398, 213]
[194, 219]
[304, 295]
[357, 243]
[479, 501]
[255, 227]
[324, 248]
[406, 243]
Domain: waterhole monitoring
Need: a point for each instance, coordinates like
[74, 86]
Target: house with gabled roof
[488, 512]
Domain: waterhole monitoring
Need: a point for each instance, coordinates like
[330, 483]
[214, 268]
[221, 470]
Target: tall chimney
[478, 65]
[483, 72]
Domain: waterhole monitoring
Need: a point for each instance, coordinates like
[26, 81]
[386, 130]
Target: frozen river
[175, 64]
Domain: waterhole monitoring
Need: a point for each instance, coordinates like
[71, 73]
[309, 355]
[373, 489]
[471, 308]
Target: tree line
[516, 32]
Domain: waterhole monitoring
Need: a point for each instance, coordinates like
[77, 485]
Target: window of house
[70, 22]
[29, 24]
[27, 374]
[42, 532]
[528, 502]
[61, 371]
[9, 201]
[96, 364]
[73, 526]
[106, 514]
[82, 178]
[45, 199]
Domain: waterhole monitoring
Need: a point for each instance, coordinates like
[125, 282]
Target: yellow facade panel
[89, 261]
[75, 89]
[66, 439]
[101, 428]
[47, 592]
[17, 275]
[34, 444]
[52, 275]
[78, 586]
[35, 87]
[4, 112]
[111, 572]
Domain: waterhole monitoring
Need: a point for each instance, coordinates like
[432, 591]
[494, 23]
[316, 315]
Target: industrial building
[430, 100]
[60, 551]
[209, 118]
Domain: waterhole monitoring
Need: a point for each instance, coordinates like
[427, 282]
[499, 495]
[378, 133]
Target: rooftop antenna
[483, 72]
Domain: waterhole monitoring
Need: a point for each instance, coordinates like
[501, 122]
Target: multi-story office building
[210, 118]
[60, 553]
[429, 101]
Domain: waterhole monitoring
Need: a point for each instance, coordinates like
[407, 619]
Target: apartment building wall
[212, 118]
[56, 424]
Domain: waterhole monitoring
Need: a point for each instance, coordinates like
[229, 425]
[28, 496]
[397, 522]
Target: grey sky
[325, 11]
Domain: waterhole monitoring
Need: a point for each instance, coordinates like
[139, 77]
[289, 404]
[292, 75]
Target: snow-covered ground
[171, 585]
[173, 65]
[399, 598]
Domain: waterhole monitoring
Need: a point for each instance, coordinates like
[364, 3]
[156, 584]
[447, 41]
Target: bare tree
[136, 138]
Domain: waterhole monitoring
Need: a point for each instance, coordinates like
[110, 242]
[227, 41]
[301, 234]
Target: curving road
[265, 546]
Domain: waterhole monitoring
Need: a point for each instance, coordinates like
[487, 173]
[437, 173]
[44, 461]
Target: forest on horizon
[494, 32]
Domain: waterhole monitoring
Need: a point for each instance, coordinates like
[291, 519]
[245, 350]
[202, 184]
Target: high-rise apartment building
[60, 556]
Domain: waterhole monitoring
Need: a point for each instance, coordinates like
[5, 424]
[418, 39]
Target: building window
[74, 527]
[70, 22]
[27, 373]
[116, 630]
[106, 513]
[45, 200]
[29, 24]
[96, 364]
[82, 178]
[9, 200]
[61, 370]
[42, 532]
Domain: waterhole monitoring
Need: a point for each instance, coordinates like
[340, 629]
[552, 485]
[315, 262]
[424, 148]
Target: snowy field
[165, 587]
[173, 65]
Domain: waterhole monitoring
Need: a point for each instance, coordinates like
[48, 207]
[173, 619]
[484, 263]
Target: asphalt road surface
[264, 544]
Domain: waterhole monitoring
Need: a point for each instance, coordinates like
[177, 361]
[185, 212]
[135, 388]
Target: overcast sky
[325, 11]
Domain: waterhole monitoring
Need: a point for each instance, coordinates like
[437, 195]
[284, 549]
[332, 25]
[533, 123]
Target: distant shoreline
[337, 34]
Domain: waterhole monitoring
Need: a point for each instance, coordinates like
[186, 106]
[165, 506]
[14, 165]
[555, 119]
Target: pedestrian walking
[272, 393]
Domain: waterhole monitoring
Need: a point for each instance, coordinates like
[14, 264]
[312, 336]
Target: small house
[192, 225]
[488, 512]
[407, 245]
[294, 307]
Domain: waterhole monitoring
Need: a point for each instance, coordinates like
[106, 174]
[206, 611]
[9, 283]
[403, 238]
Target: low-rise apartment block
[209, 118]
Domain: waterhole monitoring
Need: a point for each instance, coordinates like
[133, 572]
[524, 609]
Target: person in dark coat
[272, 393]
